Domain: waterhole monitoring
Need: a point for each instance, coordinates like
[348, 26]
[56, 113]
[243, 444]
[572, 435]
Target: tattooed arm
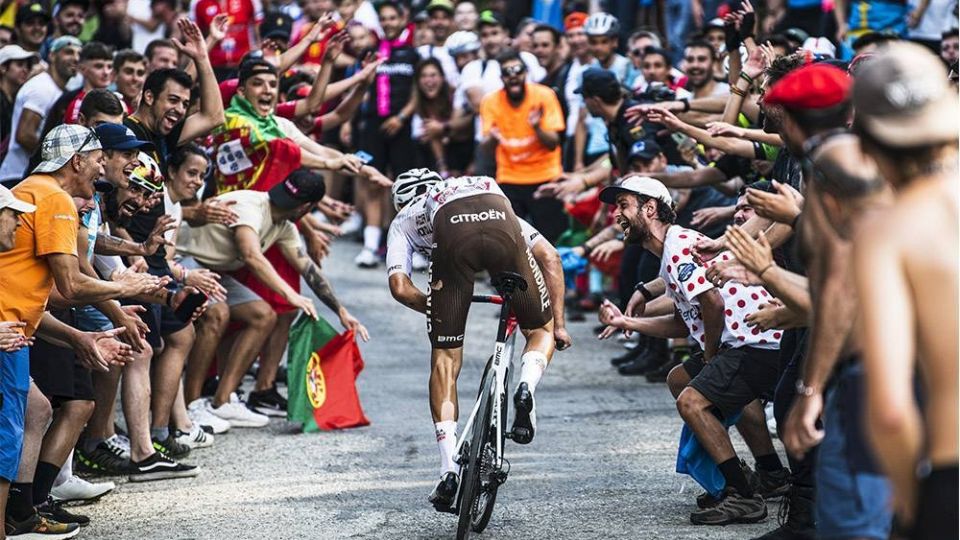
[321, 287]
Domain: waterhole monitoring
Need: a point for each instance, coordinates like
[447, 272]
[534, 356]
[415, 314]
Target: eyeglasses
[636, 52]
[513, 71]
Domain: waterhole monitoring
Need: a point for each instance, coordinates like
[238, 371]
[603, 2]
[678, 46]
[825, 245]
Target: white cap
[15, 52]
[820, 45]
[641, 185]
[8, 200]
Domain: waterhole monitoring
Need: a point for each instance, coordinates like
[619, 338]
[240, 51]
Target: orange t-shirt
[25, 277]
[521, 158]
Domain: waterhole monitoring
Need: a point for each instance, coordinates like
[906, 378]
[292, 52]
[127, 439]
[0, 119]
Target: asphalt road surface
[602, 464]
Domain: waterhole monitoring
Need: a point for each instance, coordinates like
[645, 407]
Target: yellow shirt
[521, 158]
[25, 276]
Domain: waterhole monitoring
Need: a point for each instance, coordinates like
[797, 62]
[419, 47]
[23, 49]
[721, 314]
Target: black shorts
[391, 155]
[56, 370]
[546, 214]
[735, 377]
[162, 322]
[471, 235]
[694, 364]
[937, 514]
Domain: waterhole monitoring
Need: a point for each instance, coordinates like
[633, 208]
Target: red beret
[574, 20]
[814, 86]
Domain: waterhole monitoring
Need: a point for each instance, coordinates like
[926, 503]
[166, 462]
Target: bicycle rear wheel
[489, 481]
[471, 473]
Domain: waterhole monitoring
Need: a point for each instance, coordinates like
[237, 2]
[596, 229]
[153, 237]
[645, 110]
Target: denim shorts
[14, 386]
[90, 319]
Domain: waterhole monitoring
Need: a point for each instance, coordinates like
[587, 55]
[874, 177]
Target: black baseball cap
[645, 149]
[300, 187]
[30, 12]
[599, 82]
[255, 66]
[276, 25]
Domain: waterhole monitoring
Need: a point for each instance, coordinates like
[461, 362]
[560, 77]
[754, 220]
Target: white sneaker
[366, 259]
[352, 225]
[199, 413]
[195, 438]
[77, 489]
[237, 413]
[420, 263]
[119, 446]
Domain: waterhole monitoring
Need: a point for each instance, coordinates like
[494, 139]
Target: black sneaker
[525, 421]
[103, 461]
[445, 492]
[706, 500]
[268, 402]
[160, 467]
[54, 511]
[170, 447]
[772, 484]
[37, 526]
[733, 508]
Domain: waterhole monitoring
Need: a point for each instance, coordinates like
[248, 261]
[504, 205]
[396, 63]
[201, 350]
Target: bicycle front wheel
[471, 474]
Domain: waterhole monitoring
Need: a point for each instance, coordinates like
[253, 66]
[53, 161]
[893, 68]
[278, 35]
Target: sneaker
[161, 467]
[119, 445]
[772, 484]
[199, 413]
[37, 526]
[525, 421]
[419, 263]
[366, 259]
[238, 414]
[105, 460]
[445, 492]
[268, 402]
[53, 511]
[170, 447]
[76, 489]
[733, 508]
[352, 225]
[195, 438]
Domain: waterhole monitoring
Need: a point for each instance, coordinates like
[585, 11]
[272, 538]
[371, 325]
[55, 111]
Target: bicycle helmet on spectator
[147, 174]
[462, 42]
[602, 24]
[412, 185]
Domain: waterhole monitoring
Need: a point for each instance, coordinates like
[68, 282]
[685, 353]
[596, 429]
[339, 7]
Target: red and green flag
[322, 370]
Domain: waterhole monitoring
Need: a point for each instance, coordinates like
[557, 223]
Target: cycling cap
[462, 42]
[412, 185]
[602, 24]
[147, 174]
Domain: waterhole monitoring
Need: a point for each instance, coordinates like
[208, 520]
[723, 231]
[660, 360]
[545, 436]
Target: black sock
[769, 462]
[20, 502]
[734, 476]
[43, 481]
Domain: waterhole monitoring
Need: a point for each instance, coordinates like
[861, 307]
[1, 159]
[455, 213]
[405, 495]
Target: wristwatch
[804, 390]
[642, 288]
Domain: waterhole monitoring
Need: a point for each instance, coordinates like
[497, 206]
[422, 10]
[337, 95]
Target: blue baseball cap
[120, 137]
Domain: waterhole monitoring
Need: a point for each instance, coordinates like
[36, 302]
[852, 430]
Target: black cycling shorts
[471, 235]
[735, 377]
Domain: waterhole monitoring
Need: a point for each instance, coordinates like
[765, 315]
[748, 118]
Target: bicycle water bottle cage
[507, 282]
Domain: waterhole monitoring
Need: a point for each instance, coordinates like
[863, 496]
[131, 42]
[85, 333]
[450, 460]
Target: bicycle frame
[500, 362]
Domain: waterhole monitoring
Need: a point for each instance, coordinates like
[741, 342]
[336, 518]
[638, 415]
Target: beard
[635, 232]
[112, 209]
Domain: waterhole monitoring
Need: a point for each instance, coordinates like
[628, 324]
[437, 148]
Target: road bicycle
[480, 449]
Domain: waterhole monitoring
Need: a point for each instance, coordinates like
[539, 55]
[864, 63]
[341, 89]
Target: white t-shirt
[485, 74]
[174, 210]
[938, 18]
[141, 35]
[686, 279]
[412, 229]
[450, 71]
[574, 100]
[37, 95]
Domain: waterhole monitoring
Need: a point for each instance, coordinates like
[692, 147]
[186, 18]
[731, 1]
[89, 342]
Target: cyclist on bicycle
[466, 225]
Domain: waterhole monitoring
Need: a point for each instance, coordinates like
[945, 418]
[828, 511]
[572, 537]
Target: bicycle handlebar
[487, 299]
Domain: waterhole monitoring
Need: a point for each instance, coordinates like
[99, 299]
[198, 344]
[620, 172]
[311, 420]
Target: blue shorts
[14, 386]
[852, 501]
[90, 319]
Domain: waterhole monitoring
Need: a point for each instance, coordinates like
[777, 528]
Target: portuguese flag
[322, 370]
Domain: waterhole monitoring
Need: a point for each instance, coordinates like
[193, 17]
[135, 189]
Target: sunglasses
[90, 137]
[513, 71]
[636, 52]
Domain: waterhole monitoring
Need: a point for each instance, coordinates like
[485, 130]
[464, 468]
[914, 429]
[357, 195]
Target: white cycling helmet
[412, 185]
[462, 42]
[601, 24]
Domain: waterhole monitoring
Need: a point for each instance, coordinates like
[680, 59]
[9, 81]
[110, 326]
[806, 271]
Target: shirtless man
[906, 272]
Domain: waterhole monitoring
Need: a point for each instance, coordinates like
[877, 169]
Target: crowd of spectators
[173, 174]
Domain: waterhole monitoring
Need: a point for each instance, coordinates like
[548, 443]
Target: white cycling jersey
[412, 230]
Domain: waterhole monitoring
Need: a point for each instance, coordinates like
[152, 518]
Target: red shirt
[244, 16]
[315, 51]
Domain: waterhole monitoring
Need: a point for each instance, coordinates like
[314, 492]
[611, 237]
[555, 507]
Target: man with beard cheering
[523, 121]
[740, 364]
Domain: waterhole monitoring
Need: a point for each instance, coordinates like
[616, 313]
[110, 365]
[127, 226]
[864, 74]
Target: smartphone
[363, 156]
[184, 312]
